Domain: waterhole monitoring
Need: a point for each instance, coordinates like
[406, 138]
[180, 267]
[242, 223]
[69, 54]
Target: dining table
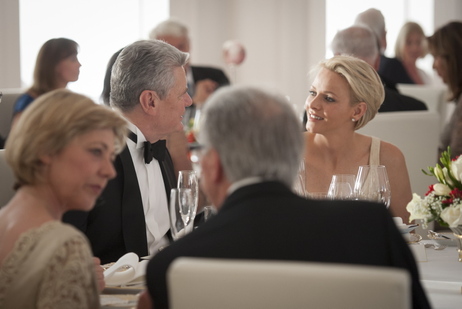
[439, 268]
[441, 276]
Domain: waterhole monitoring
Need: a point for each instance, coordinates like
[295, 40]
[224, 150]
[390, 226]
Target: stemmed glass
[188, 179]
[181, 204]
[372, 184]
[186, 201]
[176, 222]
[341, 187]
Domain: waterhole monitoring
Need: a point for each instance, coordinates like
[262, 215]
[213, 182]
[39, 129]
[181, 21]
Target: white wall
[9, 44]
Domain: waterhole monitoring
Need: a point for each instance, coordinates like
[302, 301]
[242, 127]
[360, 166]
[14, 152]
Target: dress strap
[374, 156]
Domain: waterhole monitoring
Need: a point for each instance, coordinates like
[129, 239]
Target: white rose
[456, 168]
[452, 215]
[441, 189]
[418, 208]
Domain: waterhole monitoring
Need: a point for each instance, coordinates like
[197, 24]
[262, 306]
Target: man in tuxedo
[252, 145]
[202, 80]
[148, 85]
[359, 41]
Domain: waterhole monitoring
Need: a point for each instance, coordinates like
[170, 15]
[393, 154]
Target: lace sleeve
[69, 280]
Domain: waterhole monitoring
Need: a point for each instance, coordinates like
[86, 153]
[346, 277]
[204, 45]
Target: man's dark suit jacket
[217, 75]
[116, 225]
[267, 221]
[393, 69]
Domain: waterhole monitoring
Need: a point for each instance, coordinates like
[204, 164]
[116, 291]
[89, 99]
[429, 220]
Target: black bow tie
[155, 150]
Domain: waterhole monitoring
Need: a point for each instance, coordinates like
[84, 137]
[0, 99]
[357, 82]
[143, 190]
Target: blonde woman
[411, 45]
[61, 154]
[345, 96]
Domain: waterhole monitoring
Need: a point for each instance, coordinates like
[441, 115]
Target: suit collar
[264, 188]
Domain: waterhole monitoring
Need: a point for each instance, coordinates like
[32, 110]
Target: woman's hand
[99, 274]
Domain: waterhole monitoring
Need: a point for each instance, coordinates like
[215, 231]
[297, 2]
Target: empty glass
[372, 184]
[341, 187]
[188, 179]
[176, 222]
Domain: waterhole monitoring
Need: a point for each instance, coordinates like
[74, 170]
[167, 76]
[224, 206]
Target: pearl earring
[352, 119]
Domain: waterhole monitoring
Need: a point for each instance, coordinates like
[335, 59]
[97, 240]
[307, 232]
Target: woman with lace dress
[61, 154]
[345, 95]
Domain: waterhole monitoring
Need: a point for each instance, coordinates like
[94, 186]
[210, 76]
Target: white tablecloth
[441, 277]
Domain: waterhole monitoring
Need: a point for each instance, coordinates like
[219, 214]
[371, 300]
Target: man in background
[359, 41]
[202, 81]
[252, 145]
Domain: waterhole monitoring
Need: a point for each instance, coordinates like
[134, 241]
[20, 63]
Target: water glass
[341, 187]
[372, 184]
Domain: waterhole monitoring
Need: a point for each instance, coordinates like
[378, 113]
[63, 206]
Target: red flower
[456, 193]
[430, 190]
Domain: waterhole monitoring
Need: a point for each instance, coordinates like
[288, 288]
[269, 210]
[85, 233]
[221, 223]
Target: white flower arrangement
[443, 201]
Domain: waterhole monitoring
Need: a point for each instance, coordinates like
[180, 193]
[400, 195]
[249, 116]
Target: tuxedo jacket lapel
[133, 221]
[168, 174]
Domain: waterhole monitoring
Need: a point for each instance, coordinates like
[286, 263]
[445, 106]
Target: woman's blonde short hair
[365, 84]
[406, 30]
[49, 124]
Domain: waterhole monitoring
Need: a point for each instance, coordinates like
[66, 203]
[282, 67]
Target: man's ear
[217, 172]
[148, 101]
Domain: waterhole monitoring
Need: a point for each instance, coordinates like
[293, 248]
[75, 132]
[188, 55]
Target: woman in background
[61, 152]
[345, 96]
[55, 67]
[411, 44]
[446, 47]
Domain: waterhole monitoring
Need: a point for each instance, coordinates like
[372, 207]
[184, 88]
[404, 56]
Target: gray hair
[358, 41]
[144, 65]
[255, 133]
[373, 19]
[169, 27]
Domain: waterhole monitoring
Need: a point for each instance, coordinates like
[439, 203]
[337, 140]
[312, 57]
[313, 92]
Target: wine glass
[186, 202]
[176, 222]
[372, 184]
[341, 187]
[188, 179]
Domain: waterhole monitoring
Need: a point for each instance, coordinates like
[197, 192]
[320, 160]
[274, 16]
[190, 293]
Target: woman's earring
[352, 119]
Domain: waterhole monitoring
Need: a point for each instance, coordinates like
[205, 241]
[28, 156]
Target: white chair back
[433, 96]
[416, 134]
[220, 283]
[6, 180]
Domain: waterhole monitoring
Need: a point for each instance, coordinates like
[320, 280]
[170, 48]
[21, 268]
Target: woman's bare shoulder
[390, 154]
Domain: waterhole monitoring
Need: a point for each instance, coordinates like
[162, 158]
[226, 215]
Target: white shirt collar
[243, 182]
[140, 138]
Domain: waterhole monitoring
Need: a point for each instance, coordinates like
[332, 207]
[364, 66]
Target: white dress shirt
[153, 193]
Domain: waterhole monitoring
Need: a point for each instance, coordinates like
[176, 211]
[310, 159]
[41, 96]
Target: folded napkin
[126, 271]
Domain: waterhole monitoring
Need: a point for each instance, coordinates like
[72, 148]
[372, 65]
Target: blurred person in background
[445, 45]
[411, 45]
[56, 65]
